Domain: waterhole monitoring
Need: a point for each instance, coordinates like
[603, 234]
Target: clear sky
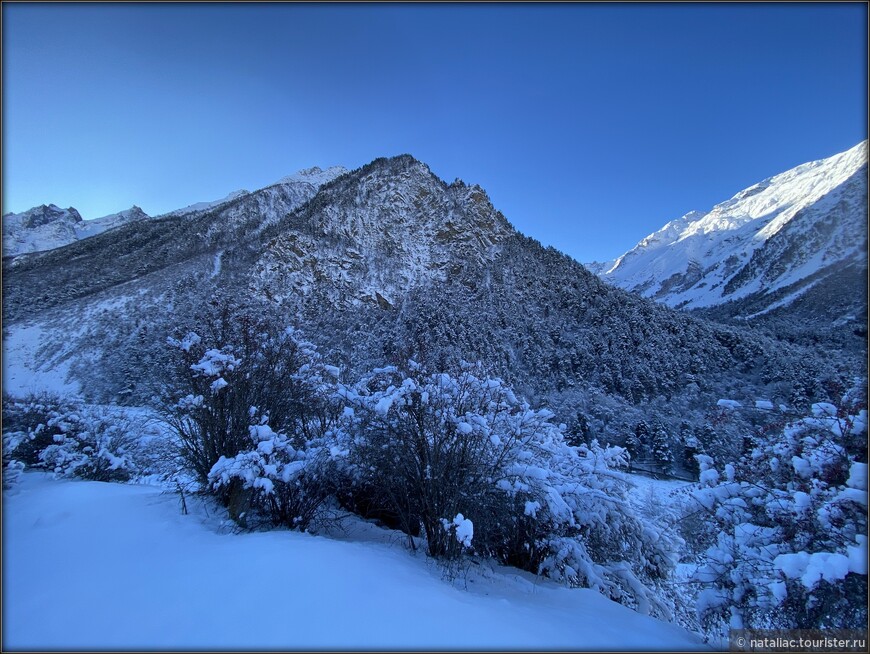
[590, 126]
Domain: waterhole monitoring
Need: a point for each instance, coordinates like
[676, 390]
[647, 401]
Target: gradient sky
[590, 126]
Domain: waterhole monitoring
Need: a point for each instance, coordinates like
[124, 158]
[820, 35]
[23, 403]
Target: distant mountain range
[791, 243]
[387, 262]
[48, 226]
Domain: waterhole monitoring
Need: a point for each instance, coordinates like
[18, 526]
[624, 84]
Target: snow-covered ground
[89, 565]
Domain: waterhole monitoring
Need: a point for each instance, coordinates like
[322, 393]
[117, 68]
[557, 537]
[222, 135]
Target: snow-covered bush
[12, 470]
[285, 484]
[30, 424]
[94, 444]
[786, 536]
[243, 362]
[69, 438]
[479, 469]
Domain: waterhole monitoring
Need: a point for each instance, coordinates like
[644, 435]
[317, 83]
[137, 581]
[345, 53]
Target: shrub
[786, 533]
[285, 484]
[69, 438]
[250, 413]
[94, 444]
[242, 362]
[31, 423]
[480, 470]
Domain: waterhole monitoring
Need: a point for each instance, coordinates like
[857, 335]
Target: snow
[137, 574]
[812, 568]
[384, 404]
[802, 502]
[857, 476]
[801, 467]
[709, 477]
[728, 404]
[858, 555]
[464, 428]
[198, 207]
[766, 405]
[216, 267]
[824, 410]
[778, 590]
[185, 343]
[464, 529]
[214, 362]
[315, 175]
[792, 565]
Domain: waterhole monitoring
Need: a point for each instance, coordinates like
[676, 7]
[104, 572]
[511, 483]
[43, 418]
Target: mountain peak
[392, 210]
[40, 228]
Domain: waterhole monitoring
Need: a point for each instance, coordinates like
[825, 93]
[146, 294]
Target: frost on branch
[237, 362]
[788, 526]
[286, 485]
[442, 452]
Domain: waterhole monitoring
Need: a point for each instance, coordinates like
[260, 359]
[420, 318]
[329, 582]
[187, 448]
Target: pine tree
[642, 438]
[661, 448]
[690, 450]
[634, 446]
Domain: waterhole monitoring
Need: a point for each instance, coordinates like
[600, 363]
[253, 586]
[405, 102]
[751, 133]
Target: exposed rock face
[376, 232]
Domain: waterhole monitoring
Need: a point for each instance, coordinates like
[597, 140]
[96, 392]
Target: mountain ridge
[782, 232]
[381, 264]
[48, 227]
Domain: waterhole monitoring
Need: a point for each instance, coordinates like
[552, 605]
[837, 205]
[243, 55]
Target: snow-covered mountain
[200, 207]
[40, 228]
[375, 265]
[376, 235]
[277, 198]
[48, 227]
[764, 248]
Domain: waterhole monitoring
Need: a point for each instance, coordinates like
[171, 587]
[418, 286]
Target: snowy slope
[90, 565]
[801, 224]
[200, 207]
[24, 371]
[99, 225]
[292, 190]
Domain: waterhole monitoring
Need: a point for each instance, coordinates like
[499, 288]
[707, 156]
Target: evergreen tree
[642, 438]
[661, 448]
[634, 446]
[690, 450]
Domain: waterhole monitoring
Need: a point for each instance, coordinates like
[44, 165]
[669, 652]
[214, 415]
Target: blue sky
[590, 126]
